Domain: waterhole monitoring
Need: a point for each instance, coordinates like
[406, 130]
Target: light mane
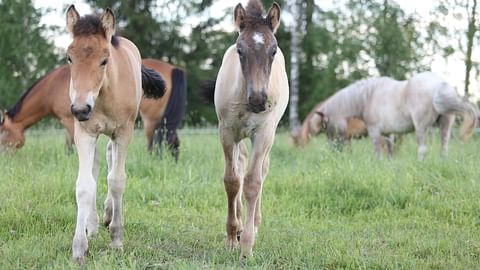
[351, 100]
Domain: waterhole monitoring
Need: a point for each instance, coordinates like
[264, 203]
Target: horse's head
[88, 56]
[317, 123]
[10, 136]
[256, 48]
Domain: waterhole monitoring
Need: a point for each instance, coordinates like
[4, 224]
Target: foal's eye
[274, 52]
[104, 63]
[240, 53]
[69, 60]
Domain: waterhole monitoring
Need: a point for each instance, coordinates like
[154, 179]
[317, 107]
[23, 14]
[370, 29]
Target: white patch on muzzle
[73, 96]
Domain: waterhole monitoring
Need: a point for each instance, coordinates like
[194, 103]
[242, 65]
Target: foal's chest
[244, 124]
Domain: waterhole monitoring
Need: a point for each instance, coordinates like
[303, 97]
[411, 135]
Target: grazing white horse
[388, 106]
[251, 95]
[105, 92]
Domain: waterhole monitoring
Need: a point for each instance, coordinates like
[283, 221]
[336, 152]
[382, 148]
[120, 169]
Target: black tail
[174, 113]
[208, 90]
[152, 83]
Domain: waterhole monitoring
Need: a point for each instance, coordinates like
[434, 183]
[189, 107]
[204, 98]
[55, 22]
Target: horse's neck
[33, 109]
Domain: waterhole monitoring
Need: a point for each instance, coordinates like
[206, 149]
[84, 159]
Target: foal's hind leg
[242, 166]
[258, 207]
[446, 122]
[92, 222]
[107, 212]
[116, 185]
[232, 181]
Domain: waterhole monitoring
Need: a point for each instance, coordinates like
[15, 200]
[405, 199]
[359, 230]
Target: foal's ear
[72, 18]
[239, 16]
[108, 23]
[273, 17]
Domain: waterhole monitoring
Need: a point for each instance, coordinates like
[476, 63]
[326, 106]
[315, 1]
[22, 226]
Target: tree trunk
[472, 28]
[295, 65]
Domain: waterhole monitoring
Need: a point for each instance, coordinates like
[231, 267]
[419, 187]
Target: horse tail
[152, 83]
[447, 100]
[208, 90]
[174, 113]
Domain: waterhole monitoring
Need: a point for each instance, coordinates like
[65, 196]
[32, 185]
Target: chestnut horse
[388, 106]
[251, 95]
[49, 96]
[106, 79]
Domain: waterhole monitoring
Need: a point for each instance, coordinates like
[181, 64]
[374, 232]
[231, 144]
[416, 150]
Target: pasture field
[321, 209]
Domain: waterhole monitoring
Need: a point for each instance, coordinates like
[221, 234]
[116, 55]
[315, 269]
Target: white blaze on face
[72, 92]
[258, 38]
[91, 97]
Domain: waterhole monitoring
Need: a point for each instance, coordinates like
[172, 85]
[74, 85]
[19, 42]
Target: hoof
[79, 250]
[117, 245]
[243, 261]
[231, 244]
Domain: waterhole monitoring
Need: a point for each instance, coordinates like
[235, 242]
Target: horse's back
[128, 71]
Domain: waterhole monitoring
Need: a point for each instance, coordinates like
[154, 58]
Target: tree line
[331, 46]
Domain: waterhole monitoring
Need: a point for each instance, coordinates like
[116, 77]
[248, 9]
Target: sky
[451, 69]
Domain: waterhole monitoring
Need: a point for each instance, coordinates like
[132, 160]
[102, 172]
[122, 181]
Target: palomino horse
[49, 96]
[356, 128]
[105, 92]
[251, 95]
[390, 107]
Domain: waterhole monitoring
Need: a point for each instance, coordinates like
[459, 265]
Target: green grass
[321, 209]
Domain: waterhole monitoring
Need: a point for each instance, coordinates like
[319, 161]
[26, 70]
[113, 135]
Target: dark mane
[15, 109]
[254, 14]
[91, 25]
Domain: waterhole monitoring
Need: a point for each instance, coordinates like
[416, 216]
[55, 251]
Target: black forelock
[92, 25]
[254, 14]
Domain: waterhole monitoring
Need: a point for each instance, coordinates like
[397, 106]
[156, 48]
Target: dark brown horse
[49, 97]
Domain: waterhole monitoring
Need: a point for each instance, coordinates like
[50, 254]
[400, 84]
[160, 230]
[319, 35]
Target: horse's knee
[252, 188]
[85, 190]
[116, 183]
[232, 183]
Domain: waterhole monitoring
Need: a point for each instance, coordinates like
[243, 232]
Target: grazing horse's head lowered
[256, 48]
[88, 57]
[10, 136]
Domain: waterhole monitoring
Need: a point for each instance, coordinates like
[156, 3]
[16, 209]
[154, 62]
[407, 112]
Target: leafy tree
[457, 21]
[25, 54]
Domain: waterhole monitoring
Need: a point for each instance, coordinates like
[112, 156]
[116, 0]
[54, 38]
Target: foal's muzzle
[257, 102]
[81, 113]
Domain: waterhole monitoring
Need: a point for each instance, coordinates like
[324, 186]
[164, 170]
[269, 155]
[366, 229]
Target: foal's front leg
[252, 189]
[116, 184]
[85, 190]
[233, 178]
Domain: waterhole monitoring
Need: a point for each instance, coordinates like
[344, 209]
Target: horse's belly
[396, 125]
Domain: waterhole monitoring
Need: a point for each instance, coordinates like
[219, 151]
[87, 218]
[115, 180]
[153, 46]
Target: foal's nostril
[82, 114]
